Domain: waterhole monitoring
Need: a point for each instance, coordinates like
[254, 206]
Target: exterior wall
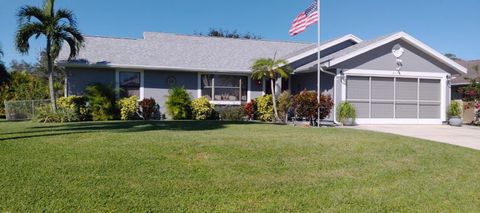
[382, 59]
[323, 53]
[256, 89]
[308, 81]
[455, 94]
[79, 78]
[156, 85]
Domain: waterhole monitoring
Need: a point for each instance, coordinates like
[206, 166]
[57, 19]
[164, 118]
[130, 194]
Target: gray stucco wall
[382, 59]
[79, 78]
[256, 89]
[308, 81]
[156, 85]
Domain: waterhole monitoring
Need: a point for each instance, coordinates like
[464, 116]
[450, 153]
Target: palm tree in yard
[57, 26]
[271, 69]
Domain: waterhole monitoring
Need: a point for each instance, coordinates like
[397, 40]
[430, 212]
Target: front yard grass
[228, 166]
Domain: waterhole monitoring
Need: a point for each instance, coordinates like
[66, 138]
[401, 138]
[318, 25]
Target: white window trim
[233, 103]
[142, 81]
[403, 74]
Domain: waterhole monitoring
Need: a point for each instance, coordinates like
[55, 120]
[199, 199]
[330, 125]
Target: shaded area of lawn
[228, 166]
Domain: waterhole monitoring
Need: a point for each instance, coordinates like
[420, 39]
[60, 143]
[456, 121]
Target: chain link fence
[23, 110]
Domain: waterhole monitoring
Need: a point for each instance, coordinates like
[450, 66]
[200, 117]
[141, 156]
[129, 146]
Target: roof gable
[364, 47]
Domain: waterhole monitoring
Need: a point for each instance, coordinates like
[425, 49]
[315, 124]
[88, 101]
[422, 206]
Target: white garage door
[394, 98]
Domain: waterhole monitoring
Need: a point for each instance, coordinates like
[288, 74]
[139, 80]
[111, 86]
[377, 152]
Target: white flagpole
[318, 62]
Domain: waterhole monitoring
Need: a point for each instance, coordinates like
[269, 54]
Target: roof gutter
[149, 67]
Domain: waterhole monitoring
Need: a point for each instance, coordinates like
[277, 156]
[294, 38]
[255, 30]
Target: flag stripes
[305, 19]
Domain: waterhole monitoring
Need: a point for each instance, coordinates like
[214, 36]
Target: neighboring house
[463, 80]
[361, 72]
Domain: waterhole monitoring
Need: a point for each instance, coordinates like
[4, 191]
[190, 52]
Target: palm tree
[271, 69]
[57, 26]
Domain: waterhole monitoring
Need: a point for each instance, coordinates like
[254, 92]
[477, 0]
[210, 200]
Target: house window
[224, 88]
[129, 83]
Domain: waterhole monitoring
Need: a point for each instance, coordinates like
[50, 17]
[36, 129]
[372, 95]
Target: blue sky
[450, 26]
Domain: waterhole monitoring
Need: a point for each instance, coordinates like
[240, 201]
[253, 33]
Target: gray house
[394, 79]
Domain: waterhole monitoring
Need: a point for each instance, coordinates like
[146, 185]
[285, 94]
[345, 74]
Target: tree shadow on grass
[118, 126]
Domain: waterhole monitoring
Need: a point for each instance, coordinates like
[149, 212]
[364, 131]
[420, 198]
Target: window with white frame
[224, 88]
[129, 83]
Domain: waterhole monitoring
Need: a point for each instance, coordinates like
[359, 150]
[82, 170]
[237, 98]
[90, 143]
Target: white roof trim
[408, 38]
[325, 46]
[149, 67]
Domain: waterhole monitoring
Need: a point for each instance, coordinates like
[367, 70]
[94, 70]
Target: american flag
[305, 19]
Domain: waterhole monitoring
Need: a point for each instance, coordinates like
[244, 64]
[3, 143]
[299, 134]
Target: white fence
[23, 110]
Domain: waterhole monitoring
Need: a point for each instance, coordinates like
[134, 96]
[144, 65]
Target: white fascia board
[149, 67]
[325, 46]
[411, 40]
[391, 73]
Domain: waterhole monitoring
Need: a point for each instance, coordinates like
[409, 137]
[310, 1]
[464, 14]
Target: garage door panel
[382, 110]
[358, 87]
[429, 111]
[406, 89]
[406, 110]
[382, 88]
[430, 90]
[362, 109]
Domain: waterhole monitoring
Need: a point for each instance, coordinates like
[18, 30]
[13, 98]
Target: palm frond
[25, 32]
[67, 15]
[26, 13]
[48, 8]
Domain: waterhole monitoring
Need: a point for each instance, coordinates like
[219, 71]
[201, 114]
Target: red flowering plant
[306, 105]
[250, 109]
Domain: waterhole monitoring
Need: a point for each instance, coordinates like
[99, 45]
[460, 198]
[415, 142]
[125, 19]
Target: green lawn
[224, 167]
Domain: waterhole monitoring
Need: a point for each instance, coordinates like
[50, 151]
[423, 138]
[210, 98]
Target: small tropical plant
[284, 104]
[128, 107]
[202, 109]
[455, 109]
[271, 69]
[231, 113]
[265, 108]
[306, 105]
[179, 103]
[346, 111]
[147, 108]
[101, 99]
[58, 26]
[45, 114]
[75, 104]
[250, 109]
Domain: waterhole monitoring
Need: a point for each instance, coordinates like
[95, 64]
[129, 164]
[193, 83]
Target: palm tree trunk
[50, 76]
[274, 99]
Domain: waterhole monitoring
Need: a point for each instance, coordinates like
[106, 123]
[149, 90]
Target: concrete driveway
[466, 136]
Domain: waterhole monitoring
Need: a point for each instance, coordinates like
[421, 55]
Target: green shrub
[179, 103]
[147, 108]
[284, 103]
[128, 108]
[202, 109]
[345, 111]
[231, 113]
[76, 104]
[455, 109]
[45, 114]
[101, 98]
[265, 108]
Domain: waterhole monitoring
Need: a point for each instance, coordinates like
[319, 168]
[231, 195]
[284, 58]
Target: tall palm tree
[57, 26]
[271, 69]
